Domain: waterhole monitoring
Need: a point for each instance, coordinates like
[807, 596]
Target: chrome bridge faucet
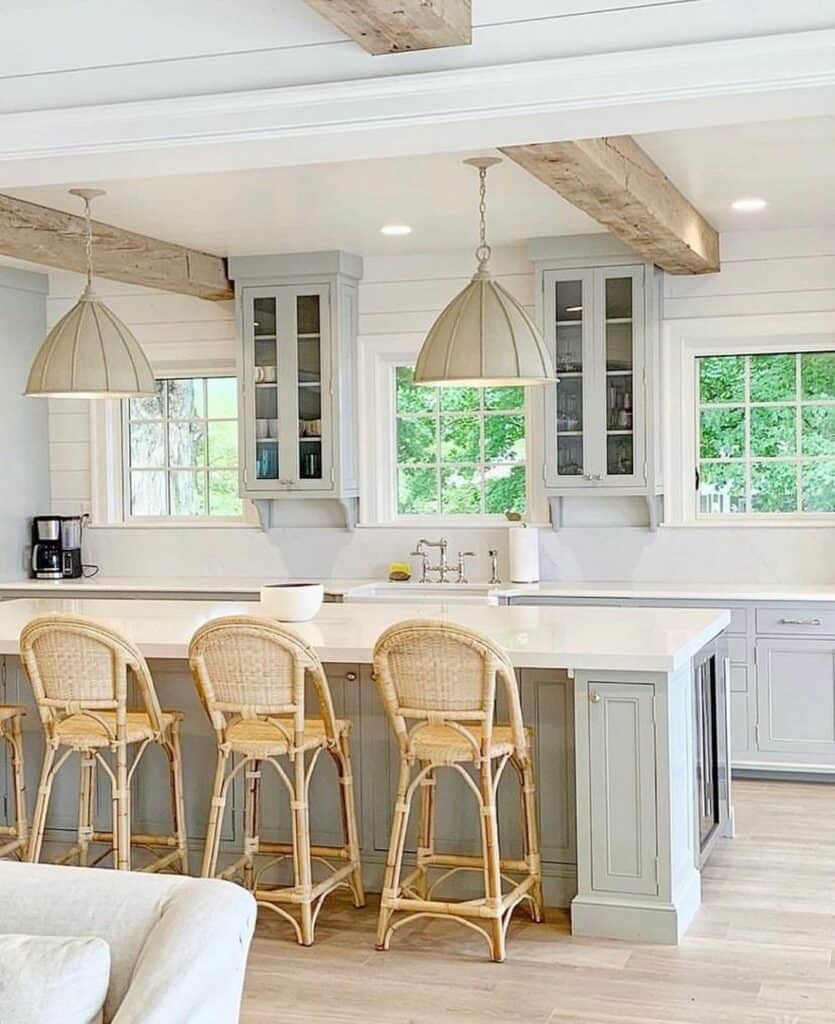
[442, 568]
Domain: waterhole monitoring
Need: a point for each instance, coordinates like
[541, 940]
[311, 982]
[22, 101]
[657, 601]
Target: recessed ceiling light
[395, 229]
[750, 204]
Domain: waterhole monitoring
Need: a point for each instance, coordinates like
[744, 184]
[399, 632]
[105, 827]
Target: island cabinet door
[796, 696]
[622, 788]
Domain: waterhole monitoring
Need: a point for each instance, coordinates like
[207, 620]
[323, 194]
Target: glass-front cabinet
[285, 370]
[595, 424]
[298, 380]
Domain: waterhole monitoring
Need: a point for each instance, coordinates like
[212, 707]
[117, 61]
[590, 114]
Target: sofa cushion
[46, 979]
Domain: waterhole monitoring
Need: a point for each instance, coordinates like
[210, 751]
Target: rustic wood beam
[614, 181]
[395, 26]
[40, 234]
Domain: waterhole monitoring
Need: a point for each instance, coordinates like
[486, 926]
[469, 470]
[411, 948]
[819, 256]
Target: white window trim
[378, 358]
[108, 472]
[685, 340]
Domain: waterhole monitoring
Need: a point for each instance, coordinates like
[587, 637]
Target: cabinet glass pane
[570, 405]
[619, 298]
[570, 455]
[569, 360]
[619, 401]
[266, 460]
[309, 383]
[266, 370]
[619, 455]
[569, 300]
[618, 347]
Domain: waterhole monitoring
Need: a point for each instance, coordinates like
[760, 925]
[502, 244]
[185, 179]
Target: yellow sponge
[399, 572]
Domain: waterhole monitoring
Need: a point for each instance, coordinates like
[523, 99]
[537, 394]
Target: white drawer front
[794, 622]
[738, 649]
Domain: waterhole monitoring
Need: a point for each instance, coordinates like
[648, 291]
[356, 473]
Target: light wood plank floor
[759, 952]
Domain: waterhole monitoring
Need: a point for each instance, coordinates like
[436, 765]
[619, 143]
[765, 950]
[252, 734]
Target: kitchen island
[610, 693]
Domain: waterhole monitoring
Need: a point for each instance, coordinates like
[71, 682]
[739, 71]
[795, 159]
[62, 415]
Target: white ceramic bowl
[292, 602]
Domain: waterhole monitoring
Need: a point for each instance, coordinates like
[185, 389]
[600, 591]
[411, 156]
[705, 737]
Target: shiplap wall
[23, 421]
[764, 274]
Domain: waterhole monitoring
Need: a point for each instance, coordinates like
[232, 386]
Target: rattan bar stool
[251, 675]
[14, 838]
[79, 671]
[438, 683]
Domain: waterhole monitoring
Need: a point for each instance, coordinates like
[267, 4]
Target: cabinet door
[306, 427]
[796, 696]
[568, 330]
[622, 787]
[286, 429]
[619, 333]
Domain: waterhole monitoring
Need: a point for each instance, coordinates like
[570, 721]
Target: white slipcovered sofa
[178, 946]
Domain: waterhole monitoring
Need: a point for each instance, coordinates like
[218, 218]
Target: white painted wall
[24, 490]
[764, 274]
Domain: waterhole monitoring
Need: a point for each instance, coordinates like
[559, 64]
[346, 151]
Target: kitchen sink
[409, 593]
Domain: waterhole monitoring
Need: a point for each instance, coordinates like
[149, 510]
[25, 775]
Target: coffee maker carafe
[46, 548]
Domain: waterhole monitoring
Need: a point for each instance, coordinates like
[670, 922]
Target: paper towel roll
[524, 554]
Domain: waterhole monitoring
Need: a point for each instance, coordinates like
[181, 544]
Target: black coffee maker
[56, 547]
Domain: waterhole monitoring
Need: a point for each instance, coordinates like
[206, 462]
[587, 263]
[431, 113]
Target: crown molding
[761, 78]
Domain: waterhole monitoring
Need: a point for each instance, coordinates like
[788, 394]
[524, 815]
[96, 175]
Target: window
[766, 434]
[181, 450]
[459, 451]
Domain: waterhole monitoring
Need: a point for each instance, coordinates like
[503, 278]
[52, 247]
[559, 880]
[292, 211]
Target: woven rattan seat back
[253, 667]
[76, 664]
[440, 672]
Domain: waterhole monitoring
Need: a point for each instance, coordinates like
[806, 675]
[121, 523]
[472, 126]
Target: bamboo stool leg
[173, 751]
[15, 741]
[530, 831]
[394, 861]
[301, 845]
[215, 825]
[342, 756]
[252, 824]
[41, 804]
[492, 863]
[86, 793]
[426, 833]
[121, 810]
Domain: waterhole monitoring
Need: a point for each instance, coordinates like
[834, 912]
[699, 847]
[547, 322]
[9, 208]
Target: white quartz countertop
[249, 586]
[629, 639]
[245, 585]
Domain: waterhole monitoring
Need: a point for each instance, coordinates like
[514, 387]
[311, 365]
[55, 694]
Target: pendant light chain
[89, 243]
[483, 251]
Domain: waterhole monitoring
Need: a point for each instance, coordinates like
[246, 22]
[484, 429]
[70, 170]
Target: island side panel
[637, 876]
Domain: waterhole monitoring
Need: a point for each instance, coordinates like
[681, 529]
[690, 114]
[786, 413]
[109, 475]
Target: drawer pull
[351, 676]
[801, 622]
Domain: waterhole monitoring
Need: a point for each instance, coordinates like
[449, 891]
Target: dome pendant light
[90, 353]
[484, 337]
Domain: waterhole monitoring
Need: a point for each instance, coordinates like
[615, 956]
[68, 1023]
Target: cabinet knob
[594, 697]
[351, 676]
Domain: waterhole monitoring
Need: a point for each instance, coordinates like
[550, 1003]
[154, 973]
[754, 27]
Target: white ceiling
[333, 206]
[791, 164]
[343, 205]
